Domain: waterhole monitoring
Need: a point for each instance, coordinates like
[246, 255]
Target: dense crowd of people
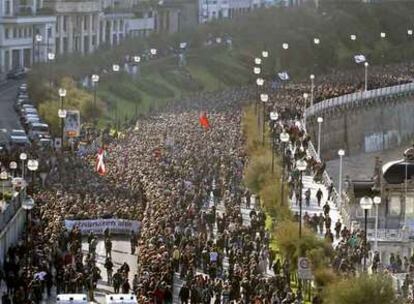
[184, 184]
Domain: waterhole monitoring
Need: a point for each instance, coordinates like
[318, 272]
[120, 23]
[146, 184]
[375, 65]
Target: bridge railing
[358, 97]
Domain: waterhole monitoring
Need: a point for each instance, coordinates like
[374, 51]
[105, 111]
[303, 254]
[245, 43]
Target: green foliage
[154, 88]
[366, 289]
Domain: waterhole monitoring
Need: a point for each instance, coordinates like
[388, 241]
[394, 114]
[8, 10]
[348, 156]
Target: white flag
[283, 76]
[360, 58]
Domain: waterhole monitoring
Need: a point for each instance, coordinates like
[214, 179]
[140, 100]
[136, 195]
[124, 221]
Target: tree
[365, 289]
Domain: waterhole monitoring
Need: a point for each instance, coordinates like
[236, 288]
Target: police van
[75, 298]
[121, 299]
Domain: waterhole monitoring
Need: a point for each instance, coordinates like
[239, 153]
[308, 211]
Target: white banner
[98, 226]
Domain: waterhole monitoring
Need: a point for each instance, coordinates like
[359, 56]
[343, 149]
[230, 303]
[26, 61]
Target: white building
[19, 25]
[217, 9]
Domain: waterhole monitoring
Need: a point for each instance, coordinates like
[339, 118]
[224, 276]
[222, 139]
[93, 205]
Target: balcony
[74, 6]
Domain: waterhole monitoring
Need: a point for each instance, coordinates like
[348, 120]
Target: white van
[72, 298]
[121, 299]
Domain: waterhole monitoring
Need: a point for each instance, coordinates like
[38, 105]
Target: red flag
[204, 121]
[100, 165]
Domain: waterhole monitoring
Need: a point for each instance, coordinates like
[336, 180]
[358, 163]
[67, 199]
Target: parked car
[17, 73]
[28, 119]
[19, 139]
[27, 111]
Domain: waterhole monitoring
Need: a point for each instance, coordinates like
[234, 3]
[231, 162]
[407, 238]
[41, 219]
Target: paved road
[8, 117]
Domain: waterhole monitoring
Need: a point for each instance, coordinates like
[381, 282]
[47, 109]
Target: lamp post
[95, 80]
[3, 176]
[38, 39]
[27, 205]
[366, 64]
[257, 61]
[366, 204]
[383, 36]
[33, 165]
[23, 157]
[312, 79]
[153, 52]
[301, 166]
[265, 54]
[62, 111]
[259, 83]
[50, 58]
[377, 201]
[285, 47]
[353, 37]
[341, 154]
[284, 138]
[273, 117]
[13, 167]
[264, 98]
[305, 97]
[316, 41]
[320, 121]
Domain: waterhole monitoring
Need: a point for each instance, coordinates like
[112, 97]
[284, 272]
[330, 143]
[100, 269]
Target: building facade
[393, 182]
[219, 9]
[20, 24]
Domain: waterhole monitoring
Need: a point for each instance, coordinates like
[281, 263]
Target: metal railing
[10, 210]
[359, 97]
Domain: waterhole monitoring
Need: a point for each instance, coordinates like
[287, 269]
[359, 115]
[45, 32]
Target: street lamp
[153, 52]
[257, 61]
[305, 97]
[51, 56]
[320, 121]
[264, 98]
[61, 111]
[33, 165]
[377, 201]
[285, 46]
[13, 167]
[115, 67]
[383, 35]
[316, 41]
[353, 37]
[38, 39]
[366, 64]
[265, 54]
[256, 70]
[312, 79]
[3, 176]
[301, 166]
[137, 59]
[260, 82]
[284, 138]
[27, 205]
[410, 32]
[366, 204]
[341, 154]
[95, 79]
[23, 157]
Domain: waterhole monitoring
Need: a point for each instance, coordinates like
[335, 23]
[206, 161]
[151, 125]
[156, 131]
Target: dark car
[17, 73]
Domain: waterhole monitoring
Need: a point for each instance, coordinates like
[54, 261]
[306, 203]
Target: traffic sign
[304, 269]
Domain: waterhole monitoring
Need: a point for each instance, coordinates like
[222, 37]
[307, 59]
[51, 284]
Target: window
[65, 23]
[57, 24]
[85, 22]
[7, 8]
[14, 32]
[395, 205]
[7, 33]
[20, 32]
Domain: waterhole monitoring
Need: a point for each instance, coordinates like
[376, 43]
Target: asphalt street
[8, 117]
